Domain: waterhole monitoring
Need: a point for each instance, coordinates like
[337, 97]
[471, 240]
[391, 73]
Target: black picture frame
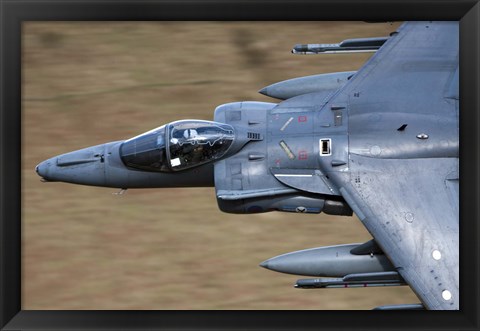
[14, 12]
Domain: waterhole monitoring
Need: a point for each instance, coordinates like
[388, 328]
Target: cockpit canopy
[177, 146]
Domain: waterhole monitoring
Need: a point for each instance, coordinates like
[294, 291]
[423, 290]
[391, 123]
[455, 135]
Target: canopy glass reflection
[177, 146]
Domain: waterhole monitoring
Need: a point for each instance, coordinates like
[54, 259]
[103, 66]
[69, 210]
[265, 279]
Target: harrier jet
[381, 142]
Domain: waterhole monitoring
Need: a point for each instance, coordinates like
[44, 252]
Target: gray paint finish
[331, 261]
[383, 143]
[326, 83]
[405, 189]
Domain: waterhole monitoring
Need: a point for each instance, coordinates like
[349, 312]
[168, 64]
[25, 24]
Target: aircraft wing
[402, 174]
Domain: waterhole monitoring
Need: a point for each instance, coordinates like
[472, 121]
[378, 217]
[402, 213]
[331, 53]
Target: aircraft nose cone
[42, 169]
[85, 166]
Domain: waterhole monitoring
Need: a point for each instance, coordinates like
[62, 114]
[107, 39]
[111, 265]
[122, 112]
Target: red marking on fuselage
[302, 118]
[302, 155]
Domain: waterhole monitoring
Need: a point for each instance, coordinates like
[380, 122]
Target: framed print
[130, 254]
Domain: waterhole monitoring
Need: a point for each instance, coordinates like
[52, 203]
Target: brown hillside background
[84, 248]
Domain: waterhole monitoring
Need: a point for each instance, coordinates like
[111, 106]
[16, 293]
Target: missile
[331, 261]
[411, 306]
[358, 45]
[374, 279]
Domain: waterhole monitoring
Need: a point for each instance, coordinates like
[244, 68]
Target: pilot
[190, 134]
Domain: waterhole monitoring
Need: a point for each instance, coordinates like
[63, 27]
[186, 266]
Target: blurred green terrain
[88, 83]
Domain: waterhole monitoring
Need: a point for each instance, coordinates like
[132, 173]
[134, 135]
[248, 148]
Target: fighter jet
[380, 142]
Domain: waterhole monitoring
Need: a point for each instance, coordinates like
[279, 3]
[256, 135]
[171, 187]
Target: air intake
[254, 136]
